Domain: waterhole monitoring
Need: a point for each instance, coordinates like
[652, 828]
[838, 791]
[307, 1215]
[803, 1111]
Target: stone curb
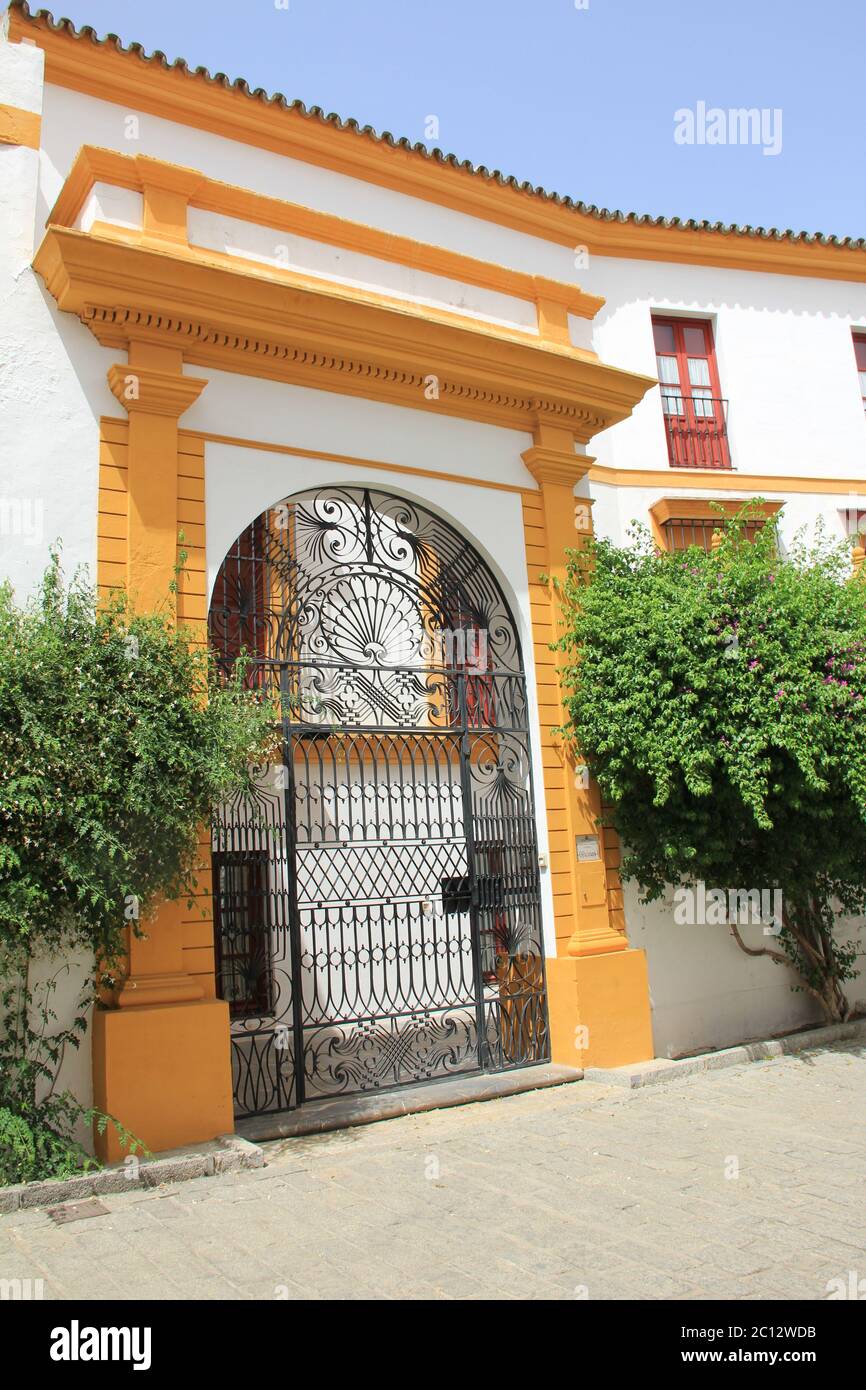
[372, 1107]
[228, 1153]
[663, 1070]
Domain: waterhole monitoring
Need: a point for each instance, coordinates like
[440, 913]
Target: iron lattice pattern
[376, 893]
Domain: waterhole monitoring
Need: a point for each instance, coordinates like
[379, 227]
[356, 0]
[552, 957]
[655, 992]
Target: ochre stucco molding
[140, 173]
[18, 127]
[312, 333]
[164, 1012]
[696, 509]
[598, 992]
[723, 479]
[154, 392]
[553, 466]
[172, 92]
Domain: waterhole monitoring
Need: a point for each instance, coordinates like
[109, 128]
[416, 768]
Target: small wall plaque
[587, 848]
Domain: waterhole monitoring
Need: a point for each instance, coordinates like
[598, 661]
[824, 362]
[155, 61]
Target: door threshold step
[318, 1117]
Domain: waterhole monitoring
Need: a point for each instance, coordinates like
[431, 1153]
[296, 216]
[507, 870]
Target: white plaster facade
[785, 360]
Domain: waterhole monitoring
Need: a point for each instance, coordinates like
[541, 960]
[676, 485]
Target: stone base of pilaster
[164, 1071]
[599, 1008]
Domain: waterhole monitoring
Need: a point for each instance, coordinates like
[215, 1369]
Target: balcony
[696, 429]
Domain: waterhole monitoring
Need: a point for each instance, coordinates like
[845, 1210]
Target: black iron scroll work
[376, 900]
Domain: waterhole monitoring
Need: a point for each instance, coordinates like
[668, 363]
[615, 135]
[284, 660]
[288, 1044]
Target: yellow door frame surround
[161, 1056]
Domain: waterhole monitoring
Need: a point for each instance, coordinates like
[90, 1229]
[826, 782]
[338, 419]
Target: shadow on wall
[706, 993]
[71, 975]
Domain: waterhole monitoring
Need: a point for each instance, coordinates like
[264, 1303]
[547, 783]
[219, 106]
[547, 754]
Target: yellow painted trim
[551, 466]
[137, 172]
[695, 509]
[623, 478]
[235, 261]
[19, 127]
[582, 905]
[599, 1009]
[231, 261]
[148, 391]
[121, 510]
[718, 480]
[329, 337]
[597, 986]
[101, 71]
[162, 1071]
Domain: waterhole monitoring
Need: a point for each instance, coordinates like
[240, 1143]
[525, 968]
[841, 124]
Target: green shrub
[720, 702]
[116, 741]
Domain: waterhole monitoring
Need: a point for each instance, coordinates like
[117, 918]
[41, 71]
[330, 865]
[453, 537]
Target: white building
[217, 305]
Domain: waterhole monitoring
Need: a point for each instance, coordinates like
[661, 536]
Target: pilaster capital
[152, 392]
[555, 466]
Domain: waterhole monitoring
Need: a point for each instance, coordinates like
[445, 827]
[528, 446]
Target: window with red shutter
[694, 412]
[860, 356]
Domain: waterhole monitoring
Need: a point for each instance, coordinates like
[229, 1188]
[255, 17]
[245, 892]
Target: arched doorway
[376, 901]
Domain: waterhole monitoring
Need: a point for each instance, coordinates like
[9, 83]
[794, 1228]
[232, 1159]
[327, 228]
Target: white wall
[707, 993]
[71, 977]
[270, 413]
[52, 382]
[48, 442]
[615, 509]
[284, 251]
[783, 342]
[72, 120]
[785, 358]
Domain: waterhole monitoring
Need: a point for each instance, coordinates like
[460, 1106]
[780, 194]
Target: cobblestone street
[745, 1183]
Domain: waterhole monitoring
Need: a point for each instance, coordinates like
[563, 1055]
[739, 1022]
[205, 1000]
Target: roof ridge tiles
[240, 85]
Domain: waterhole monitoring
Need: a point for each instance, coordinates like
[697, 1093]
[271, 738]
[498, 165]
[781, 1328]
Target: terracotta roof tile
[316, 113]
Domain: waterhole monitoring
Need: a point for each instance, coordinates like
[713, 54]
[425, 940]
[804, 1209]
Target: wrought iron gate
[376, 897]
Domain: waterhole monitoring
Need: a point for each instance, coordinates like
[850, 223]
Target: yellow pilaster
[597, 985]
[161, 1060]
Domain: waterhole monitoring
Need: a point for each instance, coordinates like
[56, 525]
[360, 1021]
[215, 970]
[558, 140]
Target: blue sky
[580, 100]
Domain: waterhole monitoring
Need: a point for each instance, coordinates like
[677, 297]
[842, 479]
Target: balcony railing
[696, 429]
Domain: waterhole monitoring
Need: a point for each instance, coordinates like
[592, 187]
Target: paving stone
[558, 1194]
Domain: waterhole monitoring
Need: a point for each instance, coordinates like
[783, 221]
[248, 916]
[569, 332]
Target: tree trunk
[816, 950]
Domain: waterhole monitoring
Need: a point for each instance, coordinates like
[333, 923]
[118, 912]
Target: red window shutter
[691, 394]
[238, 609]
[860, 357]
[242, 932]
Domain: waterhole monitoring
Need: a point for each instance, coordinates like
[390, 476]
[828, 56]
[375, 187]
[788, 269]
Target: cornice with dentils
[256, 321]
